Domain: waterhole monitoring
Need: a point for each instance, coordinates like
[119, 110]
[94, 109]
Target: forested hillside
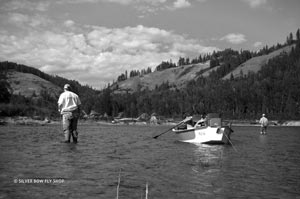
[272, 89]
[221, 64]
[27, 91]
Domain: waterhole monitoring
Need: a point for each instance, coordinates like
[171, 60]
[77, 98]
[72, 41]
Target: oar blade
[155, 137]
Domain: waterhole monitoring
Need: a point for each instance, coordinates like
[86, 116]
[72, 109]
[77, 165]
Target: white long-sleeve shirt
[68, 102]
[263, 121]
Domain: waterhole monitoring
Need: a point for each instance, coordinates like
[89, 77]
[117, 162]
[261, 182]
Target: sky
[94, 41]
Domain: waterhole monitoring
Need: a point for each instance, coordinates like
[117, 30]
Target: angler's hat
[67, 86]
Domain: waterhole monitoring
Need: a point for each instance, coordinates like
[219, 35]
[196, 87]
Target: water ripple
[262, 167]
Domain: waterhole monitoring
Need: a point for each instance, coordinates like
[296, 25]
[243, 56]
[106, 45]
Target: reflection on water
[208, 167]
[208, 155]
[258, 167]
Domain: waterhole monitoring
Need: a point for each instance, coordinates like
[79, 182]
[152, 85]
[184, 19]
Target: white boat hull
[209, 135]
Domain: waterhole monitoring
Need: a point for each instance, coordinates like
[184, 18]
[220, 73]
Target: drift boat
[209, 131]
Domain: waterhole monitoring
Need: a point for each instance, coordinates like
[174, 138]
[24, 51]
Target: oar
[185, 120]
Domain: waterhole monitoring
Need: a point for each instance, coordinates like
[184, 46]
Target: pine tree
[298, 35]
[289, 39]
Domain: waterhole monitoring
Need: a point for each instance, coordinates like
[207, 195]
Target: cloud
[234, 38]
[96, 55]
[255, 3]
[257, 44]
[144, 6]
[181, 4]
[23, 20]
[123, 2]
[34, 5]
[69, 23]
[93, 55]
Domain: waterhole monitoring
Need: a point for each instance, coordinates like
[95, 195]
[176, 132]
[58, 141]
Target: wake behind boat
[208, 130]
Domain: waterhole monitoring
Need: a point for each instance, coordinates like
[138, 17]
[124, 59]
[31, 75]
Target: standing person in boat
[69, 107]
[264, 124]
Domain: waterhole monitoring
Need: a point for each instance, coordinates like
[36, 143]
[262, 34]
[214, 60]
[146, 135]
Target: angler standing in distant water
[264, 124]
[69, 107]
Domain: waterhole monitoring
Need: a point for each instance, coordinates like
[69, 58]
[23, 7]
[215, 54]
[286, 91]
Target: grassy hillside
[28, 91]
[255, 64]
[268, 85]
[178, 76]
[28, 85]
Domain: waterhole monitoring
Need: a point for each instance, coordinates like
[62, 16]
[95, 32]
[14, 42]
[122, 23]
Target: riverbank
[37, 122]
[271, 123]
[28, 121]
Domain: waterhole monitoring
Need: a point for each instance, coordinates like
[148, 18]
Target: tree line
[133, 73]
[273, 90]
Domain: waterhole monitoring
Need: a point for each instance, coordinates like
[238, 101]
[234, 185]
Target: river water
[35, 164]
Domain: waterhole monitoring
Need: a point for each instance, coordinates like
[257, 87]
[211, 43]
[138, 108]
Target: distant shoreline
[271, 123]
[34, 122]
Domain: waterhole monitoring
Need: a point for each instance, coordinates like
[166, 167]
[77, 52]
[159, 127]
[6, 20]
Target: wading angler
[69, 107]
